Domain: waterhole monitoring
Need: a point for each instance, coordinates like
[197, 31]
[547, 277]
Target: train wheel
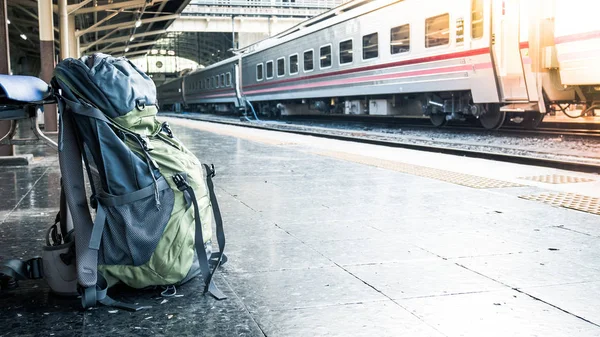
[493, 118]
[438, 120]
[533, 120]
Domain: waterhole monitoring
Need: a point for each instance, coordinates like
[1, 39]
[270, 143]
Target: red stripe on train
[414, 73]
[577, 37]
[568, 38]
[442, 57]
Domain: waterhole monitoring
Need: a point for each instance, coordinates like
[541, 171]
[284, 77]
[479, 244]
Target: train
[484, 61]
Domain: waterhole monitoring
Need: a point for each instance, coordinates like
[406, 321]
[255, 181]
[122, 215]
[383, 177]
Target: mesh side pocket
[132, 231]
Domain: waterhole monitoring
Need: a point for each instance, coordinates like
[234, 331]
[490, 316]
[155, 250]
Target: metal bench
[22, 97]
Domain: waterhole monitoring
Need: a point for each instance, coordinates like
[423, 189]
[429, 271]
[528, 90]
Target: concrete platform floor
[329, 238]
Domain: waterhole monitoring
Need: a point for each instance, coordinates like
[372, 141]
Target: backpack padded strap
[74, 186]
[86, 110]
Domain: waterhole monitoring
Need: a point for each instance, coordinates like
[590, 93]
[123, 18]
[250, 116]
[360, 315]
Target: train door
[181, 90]
[528, 41]
[477, 33]
[237, 82]
[505, 50]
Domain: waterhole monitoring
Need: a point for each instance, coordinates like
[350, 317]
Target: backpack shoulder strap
[70, 157]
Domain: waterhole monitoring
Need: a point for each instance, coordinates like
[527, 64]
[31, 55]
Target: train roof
[336, 15]
[215, 65]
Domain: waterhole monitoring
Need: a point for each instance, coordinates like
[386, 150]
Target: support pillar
[46, 23]
[63, 15]
[73, 39]
[5, 150]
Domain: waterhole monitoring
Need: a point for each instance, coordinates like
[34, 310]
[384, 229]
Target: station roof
[118, 27]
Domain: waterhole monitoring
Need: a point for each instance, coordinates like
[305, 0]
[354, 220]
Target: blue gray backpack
[155, 205]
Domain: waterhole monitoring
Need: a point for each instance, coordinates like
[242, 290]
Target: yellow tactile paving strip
[568, 200]
[557, 179]
[423, 171]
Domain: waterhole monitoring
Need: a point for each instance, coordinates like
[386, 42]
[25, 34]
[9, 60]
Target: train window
[346, 52]
[370, 44]
[476, 19]
[400, 39]
[259, 72]
[269, 70]
[222, 82]
[280, 67]
[308, 60]
[228, 79]
[437, 31]
[214, 82]
[207, 83]
[325, 56]
[293, 64]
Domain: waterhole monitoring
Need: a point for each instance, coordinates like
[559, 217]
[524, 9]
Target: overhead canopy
[109, 26]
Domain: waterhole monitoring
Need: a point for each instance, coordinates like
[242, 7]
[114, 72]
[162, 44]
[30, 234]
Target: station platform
[332, 238]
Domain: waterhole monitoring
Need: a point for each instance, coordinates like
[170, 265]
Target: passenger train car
[459, 59]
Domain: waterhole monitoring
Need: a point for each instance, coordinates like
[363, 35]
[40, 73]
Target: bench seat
[22, 97]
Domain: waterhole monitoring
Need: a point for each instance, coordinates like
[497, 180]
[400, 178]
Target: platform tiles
[329, 238]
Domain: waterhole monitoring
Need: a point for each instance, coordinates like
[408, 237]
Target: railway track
[576, 163]
[546, 128]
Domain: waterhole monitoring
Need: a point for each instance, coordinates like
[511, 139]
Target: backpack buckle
[166, 128]
[34, 268]
[210, 170]
[140, 104]
[93, 201]
[181, 182]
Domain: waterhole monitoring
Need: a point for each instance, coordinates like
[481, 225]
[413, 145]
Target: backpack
[155, 202]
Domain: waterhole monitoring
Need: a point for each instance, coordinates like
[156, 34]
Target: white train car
[459, 59]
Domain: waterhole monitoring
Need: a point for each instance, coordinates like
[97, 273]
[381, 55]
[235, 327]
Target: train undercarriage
[440, 108]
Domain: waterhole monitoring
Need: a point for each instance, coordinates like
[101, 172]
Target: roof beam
[126, 25]
[27, 3]
[116, 5]
[33, 15]
[124, 38]
[73, 8]
[160, 9]
[131, 46]
[97, 24]
[89, 45]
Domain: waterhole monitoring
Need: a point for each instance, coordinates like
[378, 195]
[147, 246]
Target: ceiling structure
[139, 27]
[118, 27]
